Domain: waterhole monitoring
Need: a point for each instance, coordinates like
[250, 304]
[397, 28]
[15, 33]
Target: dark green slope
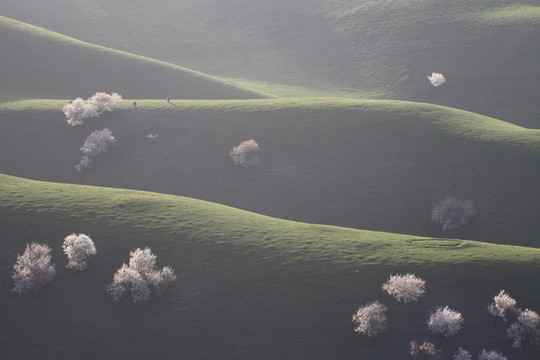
[37, 63]
[377, 165]
[248, 287]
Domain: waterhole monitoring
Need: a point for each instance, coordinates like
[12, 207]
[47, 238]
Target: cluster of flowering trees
[98, 141]
[525, 324]
[246, 154]
[371, 319]
[77, 110]
[139, 277]
[34, 269]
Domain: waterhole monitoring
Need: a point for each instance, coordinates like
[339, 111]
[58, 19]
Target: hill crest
[39, 63]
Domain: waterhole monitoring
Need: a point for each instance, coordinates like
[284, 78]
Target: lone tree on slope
[452, 213]
[33, 269]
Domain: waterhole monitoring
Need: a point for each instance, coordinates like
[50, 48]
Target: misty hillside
[361, 48]
[378, 165]
[38, 63]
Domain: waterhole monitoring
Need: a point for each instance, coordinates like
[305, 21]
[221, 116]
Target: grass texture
[249, 286]
[378, 165]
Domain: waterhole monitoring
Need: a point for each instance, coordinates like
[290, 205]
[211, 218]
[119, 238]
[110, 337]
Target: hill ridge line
[58, 37]
[20, 184]
[457, 121]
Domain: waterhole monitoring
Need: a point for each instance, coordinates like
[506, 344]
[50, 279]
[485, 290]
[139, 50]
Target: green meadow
[271, 261]
[369, 164]
[249, 286]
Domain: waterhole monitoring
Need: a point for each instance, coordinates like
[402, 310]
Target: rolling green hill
[357, 48]
[377, 165]
[38, 63]
[248, 287]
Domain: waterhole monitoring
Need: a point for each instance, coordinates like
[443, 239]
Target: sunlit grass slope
[487, 49]
[38, 63]
[249, 286]
[377, 165]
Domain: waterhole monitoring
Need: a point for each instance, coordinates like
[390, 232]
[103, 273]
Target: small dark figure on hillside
[168, 99]
[134, 104]
[71, 102]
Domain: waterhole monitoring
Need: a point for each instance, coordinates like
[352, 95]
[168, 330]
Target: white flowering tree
[491, 355]
[96, 143]
[405, 288]
[78, 248]
[503, 306]
[77, 110]
[424, 351]
[436, 79]
[452, 213]
[33, 269]
[370, 319]
[526, 328]
[462, 355]
[445, 321]
[140, 277]
[246, 154]
[101, 102]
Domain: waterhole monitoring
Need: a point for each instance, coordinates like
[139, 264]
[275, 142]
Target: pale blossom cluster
[370, 319]
[445, 321]
[139, 277]
[246, 154]
[427, 350]
[33, 269]
[78, 248]
[405, 288]
[96, 143]
[452, 213]
[436, 79]
[491, 355]
[77, 110]
[525, 328]
[503, 306]
[525, 323]
[462, 355]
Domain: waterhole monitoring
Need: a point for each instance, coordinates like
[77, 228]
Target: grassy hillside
[38, 63]
[249, 286]
[357, 48]
[369, 164]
